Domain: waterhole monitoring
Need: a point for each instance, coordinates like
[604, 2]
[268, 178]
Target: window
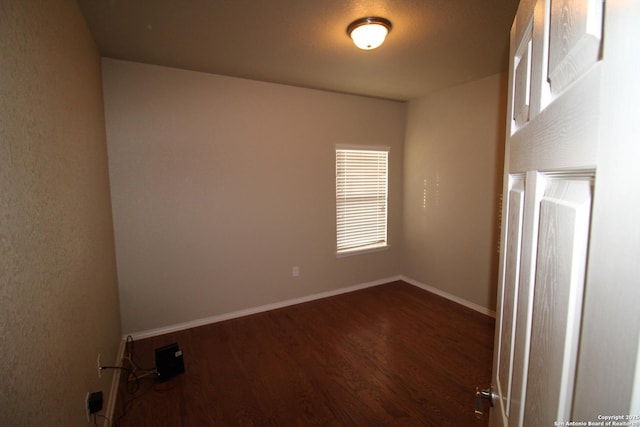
[361, 199]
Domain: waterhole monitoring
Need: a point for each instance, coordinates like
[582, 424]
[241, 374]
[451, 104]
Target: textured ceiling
[433, 44]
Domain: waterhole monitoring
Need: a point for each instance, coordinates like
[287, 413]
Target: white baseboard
[449, 296]
[115, 382]
[110, 408]
[259, 309]
[294, 301]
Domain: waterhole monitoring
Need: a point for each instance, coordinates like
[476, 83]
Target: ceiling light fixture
[369, 33]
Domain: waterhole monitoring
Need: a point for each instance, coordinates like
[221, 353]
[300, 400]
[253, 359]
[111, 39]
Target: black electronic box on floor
[169, 362]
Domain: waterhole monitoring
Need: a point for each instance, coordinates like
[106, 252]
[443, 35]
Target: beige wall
[58, 291]
[452, 185]
[221, 185]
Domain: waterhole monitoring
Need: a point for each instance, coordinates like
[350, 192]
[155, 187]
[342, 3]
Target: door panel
[510, 292]
[552, 141]
[565, 212]
[522, 80]
[535, 147]
[534, 190]
[582, 116]
[574, 40]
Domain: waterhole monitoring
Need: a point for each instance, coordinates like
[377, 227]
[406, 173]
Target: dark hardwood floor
[383, 356]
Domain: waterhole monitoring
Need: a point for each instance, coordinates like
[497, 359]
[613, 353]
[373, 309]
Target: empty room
[239, 213]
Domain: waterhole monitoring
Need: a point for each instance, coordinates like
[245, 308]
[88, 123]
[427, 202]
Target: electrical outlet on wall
[99, 367]
[296, 271]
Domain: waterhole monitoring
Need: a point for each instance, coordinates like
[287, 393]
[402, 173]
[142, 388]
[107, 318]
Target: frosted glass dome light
[369, 33]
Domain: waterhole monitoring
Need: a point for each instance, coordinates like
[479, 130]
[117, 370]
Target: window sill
[361, 251]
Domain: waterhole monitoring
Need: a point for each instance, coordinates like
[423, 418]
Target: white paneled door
[546, 347]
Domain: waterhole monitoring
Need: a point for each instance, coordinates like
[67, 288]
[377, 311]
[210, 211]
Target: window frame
[373, 246]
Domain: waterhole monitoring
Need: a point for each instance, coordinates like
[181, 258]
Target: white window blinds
[361, 199]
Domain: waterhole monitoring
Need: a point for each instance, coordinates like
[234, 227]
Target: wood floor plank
[390, 355]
